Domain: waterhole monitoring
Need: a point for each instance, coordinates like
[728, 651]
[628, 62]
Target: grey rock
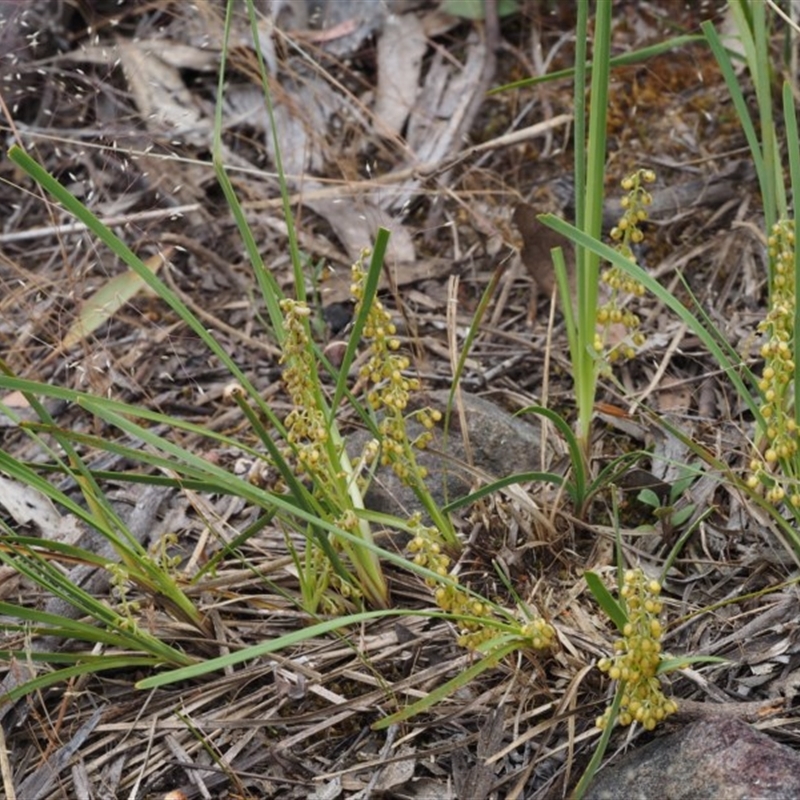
[501, 445]
[718, 758]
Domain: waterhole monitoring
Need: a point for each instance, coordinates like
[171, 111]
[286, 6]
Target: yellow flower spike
[638, 654]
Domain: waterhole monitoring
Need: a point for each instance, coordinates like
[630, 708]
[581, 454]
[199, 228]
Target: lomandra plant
[303, 482]
[317, 493]
[774, 478]
[770, 397]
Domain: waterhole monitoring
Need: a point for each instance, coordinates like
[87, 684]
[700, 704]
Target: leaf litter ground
[122, 114]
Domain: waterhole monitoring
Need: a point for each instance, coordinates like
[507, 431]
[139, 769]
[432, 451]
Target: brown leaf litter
[118, 101]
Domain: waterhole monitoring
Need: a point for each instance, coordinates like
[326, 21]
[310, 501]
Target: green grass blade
[63, 676]
[573, 445]
[739, 103]
[587, 262]
[673, 664]
[265, 648]
[579, 102]
[119, 248]
[268, 286]
[46, 575]
[606, 600]
[294, 250]
[774, 196]
[622, 60]
[602, 744]
[68, 553]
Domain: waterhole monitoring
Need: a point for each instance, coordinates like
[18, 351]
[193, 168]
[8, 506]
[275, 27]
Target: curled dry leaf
[537, 242]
